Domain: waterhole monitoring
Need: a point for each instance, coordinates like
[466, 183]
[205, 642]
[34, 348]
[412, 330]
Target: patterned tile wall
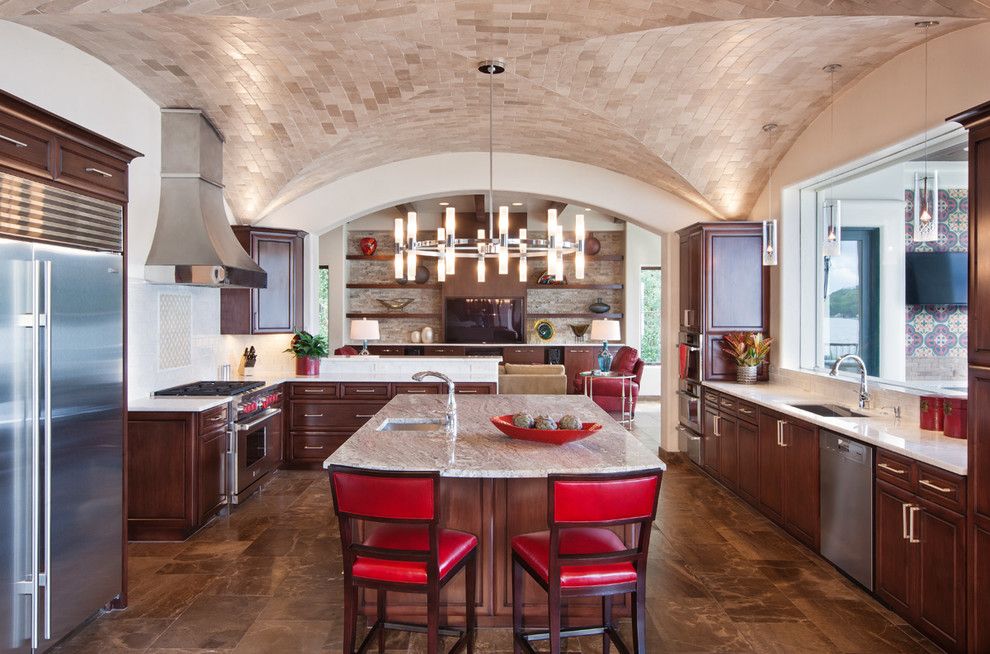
[936, 335]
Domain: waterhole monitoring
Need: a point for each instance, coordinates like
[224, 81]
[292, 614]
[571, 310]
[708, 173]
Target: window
[885, 296]
[649, 301]
[323, 301]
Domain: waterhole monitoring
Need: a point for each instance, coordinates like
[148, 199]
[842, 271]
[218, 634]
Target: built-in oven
[689, 359]
[689, 406]
[252, 441]
[689, 411]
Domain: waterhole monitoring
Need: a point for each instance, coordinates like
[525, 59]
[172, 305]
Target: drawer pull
[364, 390]
[312, 415]
[940, 489]
[414, 390]
[217, 419]
[14, 142]
[746, 411]
[892, 469]
[467, 391]
[312, 447]
[314, 390]
[364, 415]
[97, 171]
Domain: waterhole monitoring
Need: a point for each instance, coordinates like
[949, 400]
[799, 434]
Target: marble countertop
[879, 429]
[178, 404]
[482, 451]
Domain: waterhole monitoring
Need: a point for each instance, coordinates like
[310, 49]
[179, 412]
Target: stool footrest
[527, 637]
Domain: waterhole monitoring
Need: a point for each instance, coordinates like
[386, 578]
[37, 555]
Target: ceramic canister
[931, 413]
[955, 417]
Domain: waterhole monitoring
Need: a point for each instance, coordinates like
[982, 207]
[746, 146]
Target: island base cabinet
[921, 564]
[495, 510]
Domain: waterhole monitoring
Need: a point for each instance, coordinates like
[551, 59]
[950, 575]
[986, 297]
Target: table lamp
[365, 330]
[605, 331]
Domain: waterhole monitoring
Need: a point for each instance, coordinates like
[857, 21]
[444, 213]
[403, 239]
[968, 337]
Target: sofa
[608, 392]
[531, 379]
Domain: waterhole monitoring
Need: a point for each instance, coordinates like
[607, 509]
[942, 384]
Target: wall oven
[689, 394]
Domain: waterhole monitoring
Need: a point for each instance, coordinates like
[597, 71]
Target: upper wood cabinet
[277, 309]
[724, 287]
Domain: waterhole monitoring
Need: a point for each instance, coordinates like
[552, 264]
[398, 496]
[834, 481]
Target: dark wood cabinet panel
[24, 147]
[979, 440]
[801, 485]
[472, 389]
[979, 582]
[894, 557]
[941, 572]
[690, 280]
[710, 441]
[771, 467]
[979, 240]
[728, 450]
[579, 359]
[278, 308]
[313, 448]
[89, 170]
[212, 471]
[523, 355]
[748, 461]
[417, 388]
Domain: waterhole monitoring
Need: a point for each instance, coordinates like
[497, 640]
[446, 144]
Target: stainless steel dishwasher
[847, 505]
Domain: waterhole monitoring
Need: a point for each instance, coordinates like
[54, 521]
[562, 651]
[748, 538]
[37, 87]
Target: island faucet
[864, 392]
[450, 419]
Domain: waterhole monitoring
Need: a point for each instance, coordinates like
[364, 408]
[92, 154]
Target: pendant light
[770, 224]
[832, 208]
[925, 184]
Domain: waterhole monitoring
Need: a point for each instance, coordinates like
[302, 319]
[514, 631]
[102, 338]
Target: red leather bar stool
[580, 556]
[407, 552]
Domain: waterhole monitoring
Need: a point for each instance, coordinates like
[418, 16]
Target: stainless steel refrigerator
[61, 415]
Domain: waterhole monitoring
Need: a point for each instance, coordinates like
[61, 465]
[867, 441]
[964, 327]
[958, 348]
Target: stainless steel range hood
[193, 240]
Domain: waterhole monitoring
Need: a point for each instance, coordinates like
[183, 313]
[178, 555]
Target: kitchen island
[492, 486]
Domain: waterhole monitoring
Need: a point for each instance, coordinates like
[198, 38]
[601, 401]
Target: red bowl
[554, 436]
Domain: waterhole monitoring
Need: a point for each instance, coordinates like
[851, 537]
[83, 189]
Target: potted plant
[309, 349]
[749, 351]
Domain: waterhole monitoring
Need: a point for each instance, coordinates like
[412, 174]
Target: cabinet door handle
[687, 312]
[312, 415]
[904, 521]
[217, 418]
[312, 447]
[892, 469]
[14, 142]
[936, 487]
[911, 538]
[717, 419]
[97, 171]
[780, 432]
[364, 415]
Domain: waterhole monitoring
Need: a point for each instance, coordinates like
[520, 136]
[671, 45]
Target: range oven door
[251, 460]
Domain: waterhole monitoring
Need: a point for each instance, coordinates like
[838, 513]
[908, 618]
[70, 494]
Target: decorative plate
[545, 329]
[552, 436]
[546, 279]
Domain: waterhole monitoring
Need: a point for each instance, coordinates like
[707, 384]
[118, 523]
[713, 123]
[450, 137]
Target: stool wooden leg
[639, 616]
[433, 621]
[381, 619]
[606, 623]
[517, 604]
[470, 581]
[350, 616]
[554, 597]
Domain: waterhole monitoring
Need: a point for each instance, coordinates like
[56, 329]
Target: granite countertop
[882, 430]
[482, 451]
[178, 404]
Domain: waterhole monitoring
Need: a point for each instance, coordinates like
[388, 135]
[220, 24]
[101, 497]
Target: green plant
[305, 344]
[746, 349]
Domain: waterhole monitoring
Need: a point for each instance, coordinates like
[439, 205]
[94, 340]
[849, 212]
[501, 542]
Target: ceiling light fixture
[770, 224]
[925, 184]
[444, 204]
[517, 204]
[447, 248]
[832, 208]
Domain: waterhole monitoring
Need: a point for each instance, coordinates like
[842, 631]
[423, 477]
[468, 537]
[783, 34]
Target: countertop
[879, 429]
[178, 404]
[482, 451]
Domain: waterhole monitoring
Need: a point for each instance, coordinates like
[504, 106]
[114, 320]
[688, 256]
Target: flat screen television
[936, 278]
[484, 320]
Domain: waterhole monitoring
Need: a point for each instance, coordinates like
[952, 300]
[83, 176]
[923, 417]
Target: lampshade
[364, 330]
[605, 330]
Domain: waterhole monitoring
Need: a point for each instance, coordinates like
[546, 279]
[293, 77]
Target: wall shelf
[616, 316]
[577, 287]
[429, 286]
[386, 316]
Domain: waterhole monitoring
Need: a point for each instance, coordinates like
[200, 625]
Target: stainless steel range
[254, 430]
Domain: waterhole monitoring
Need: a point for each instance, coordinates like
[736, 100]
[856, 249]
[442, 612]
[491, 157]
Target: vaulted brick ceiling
[673, 93]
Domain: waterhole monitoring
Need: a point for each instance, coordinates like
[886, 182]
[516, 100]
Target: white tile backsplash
[845, 391]
[174, 331]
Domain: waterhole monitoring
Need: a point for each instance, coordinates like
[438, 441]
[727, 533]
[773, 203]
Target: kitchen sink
[829, 410]
[411, 424]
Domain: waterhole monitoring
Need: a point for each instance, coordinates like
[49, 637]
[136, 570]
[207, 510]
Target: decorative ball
[569, 422]
[368, 246]
[592, 246]
[523, 420]
[422, 274]
[545, 423]
[427, 334]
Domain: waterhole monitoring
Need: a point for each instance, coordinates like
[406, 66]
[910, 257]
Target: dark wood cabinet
[724, 287]
[278, 308]
[728, 449]
[893, 553]
[523, 355]
[748, 460]
[801, 482]
[710, 441]
[771, 467]
[176, 472]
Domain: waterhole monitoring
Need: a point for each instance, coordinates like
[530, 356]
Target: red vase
[932, 415]
[309, 366]
[955, 417]
[368, 246]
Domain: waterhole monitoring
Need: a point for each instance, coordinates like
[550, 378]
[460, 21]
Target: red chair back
[347, 350]
[625, 360]
[384, 497]
[603, 499]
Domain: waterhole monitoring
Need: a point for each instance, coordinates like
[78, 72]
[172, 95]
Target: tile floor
[722, 579]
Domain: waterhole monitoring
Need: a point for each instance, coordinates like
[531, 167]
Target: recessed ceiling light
[517, 204]
[587, 208]
[444, 204]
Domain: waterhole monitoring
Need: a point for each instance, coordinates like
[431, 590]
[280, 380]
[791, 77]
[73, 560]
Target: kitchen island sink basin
[829, 410]
[411, 424]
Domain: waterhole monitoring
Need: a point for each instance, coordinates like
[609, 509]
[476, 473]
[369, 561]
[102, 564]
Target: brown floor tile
[212, 622]
[853, 626]
[301, 637]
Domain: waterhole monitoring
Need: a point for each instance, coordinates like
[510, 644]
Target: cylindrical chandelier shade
[832, 225]
[769, 242]
[926, 206]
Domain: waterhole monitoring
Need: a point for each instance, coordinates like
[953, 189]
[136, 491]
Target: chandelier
[447, 248]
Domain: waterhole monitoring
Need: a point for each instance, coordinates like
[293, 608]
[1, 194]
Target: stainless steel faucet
[450, 419]
[865, 401]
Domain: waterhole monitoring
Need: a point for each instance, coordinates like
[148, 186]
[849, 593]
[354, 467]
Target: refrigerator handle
[47, 579]
[35, 446]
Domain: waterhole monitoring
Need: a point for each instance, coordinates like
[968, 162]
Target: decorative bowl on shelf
[580, 330]
[395, 304]
[552, 436]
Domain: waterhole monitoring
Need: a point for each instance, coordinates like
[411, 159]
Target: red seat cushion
[454, 546]
[534, 549]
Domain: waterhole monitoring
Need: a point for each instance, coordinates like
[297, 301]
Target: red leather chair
[406, 552]
[608, 392]
[581, 557]
[347, 350]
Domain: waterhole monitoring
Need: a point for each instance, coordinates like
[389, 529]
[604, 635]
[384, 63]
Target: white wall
[333, 248]
[642, 249]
